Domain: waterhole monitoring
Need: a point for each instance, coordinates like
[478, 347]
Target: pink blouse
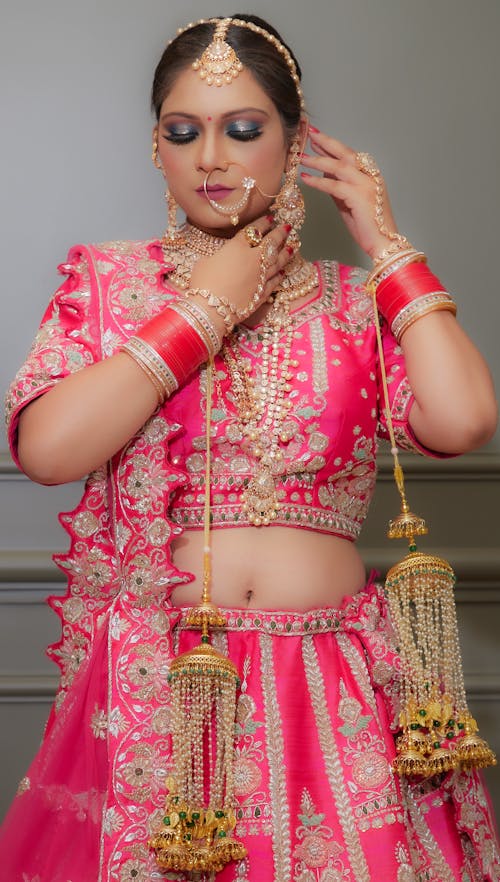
[133, 505]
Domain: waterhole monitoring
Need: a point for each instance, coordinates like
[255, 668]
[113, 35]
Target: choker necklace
[190, 244]
[185, 249]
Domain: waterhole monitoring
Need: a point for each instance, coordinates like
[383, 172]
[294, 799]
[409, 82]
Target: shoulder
[104, 257]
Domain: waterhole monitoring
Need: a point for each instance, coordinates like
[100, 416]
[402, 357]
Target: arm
[455, 409]
[86, 417]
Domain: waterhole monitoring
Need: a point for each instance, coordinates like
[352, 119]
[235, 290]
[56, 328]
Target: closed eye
[181, 134]
[244, 132]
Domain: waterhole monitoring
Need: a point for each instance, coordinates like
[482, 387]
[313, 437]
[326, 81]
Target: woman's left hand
[352, 190]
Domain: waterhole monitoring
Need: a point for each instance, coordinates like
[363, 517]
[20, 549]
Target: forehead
[191, 95]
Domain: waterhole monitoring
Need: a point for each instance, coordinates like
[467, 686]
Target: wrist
[409, 292]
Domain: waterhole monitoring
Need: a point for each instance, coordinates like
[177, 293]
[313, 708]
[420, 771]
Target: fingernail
[288, 227]
[313, 128]
[305, 175]
[270, 218]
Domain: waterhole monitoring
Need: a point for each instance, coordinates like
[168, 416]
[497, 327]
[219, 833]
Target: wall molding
[473, 566]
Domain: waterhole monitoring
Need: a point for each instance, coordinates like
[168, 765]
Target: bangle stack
[172, 345]
[406, 290]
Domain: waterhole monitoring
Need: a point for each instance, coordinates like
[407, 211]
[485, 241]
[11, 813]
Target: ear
[303, 131]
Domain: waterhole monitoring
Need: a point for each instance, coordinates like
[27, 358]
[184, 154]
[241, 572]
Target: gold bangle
[434, 302]
[392, 264]
[153, 366]
[200, 322]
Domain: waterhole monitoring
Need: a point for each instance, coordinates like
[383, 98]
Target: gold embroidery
[276, 760]
[443, 872]
[318, 348]
[332, 762]
[23, 786]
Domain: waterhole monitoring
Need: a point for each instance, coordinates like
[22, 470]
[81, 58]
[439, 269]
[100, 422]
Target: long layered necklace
[261, 396]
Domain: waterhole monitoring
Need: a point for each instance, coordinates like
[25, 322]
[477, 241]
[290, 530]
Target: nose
[210, 153]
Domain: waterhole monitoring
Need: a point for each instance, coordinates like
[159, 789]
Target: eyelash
[236, 134]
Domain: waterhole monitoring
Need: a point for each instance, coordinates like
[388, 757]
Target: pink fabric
[316, 698]
[315, 722]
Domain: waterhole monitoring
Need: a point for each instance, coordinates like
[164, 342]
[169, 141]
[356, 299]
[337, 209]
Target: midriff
[270, 568]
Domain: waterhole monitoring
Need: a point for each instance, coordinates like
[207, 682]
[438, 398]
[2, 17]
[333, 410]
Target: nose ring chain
[231, 211]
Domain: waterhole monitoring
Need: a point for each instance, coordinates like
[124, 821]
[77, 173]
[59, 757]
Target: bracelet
[403, 286]
[153, 366]
[228, 311]
[391, 264]
[199, 320]
[396, 248]
[433, 302]
[176, 342]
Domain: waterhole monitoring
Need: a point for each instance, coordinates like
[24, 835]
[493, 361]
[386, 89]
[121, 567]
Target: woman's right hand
[237, 270]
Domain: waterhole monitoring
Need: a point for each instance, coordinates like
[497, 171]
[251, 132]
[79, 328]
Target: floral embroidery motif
[99, 723]
[120, 574]
[317, 849]
[253, 812]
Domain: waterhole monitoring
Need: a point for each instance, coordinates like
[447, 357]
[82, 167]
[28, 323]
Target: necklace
[262, 400]
[185, 249]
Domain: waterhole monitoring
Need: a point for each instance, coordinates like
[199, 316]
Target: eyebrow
[227, 115]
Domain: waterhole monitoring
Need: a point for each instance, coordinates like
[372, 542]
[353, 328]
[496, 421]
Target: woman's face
[229, 132]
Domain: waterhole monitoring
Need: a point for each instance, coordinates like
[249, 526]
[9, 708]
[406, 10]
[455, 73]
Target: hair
[255, 52]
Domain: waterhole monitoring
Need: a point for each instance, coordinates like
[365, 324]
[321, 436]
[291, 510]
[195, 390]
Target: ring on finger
[270, 252]
[253, 236]
[366, 164]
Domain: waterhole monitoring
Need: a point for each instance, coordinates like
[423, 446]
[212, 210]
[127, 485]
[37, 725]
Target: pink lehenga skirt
[317, 800]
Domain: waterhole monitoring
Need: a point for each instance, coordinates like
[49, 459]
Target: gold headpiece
[219, 63]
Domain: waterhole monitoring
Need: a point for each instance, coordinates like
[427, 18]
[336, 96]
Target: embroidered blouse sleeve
[68, 340]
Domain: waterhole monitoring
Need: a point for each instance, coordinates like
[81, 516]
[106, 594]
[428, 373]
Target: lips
[216, 191]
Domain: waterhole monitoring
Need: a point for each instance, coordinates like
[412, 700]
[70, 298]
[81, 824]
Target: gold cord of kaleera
[438, 732]
[196, 833]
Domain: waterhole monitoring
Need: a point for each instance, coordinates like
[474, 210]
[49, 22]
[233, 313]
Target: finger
[330, 145]
[278, 236]
[263, 225]
[338, 189]
[341, 169]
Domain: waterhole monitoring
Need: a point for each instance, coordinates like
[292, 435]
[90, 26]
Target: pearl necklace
[262, 406]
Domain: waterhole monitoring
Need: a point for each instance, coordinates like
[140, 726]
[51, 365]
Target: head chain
[234, 65]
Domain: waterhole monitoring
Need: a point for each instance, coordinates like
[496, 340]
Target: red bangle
[403, 287]
[176, 342]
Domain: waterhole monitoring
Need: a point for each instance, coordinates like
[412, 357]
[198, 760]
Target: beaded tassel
[199, 808]
[438, 732]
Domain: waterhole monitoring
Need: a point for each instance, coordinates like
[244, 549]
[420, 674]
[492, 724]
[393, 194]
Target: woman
[117, 387]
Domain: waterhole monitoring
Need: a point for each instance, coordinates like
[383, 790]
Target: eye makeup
[239, 129]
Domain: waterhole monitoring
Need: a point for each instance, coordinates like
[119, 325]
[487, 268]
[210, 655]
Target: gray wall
[415, 84]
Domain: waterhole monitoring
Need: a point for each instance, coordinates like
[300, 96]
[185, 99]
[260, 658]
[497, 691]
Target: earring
[171, 232]
[289, 207]
[154, 155]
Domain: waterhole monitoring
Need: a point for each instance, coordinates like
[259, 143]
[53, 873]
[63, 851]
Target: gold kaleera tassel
[199, 811]
[438, 730]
